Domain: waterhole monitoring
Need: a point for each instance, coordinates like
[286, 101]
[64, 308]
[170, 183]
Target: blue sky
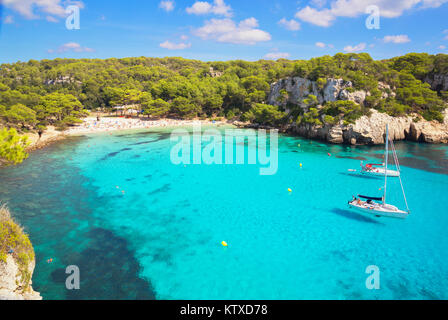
[220, 29]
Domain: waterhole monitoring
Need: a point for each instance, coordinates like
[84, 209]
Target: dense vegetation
[12, 147]
[15, 242]
[36, 94]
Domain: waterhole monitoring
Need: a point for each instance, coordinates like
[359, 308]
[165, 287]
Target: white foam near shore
[91, 125]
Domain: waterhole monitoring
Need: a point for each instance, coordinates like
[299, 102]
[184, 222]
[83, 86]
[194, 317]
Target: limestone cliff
[13, 286]
[16, 261]
[366, 130]
[437, 81]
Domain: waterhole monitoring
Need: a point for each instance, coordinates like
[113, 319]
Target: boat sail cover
[370, 198]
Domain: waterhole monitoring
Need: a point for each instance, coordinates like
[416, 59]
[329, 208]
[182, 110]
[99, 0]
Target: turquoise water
[162, 237]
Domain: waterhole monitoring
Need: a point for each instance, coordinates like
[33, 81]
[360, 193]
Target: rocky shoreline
[366, 130]
[11, 283]
[371, 129]
[17, 261]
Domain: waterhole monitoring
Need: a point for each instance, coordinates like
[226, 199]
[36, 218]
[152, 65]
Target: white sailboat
[378, 170]
[377, 206]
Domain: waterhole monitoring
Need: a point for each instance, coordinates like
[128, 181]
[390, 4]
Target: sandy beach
[91, 125]
[109, 124]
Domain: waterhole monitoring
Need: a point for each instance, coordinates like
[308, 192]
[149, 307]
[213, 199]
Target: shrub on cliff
[12, 147]
[14, 241]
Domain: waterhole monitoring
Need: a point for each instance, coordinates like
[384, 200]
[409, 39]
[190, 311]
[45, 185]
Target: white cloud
[175, 46]
[167, 5]
[71, 47]
[320, 44]
[183, 37]
[355, 8]
[199, 8]
[51, 19]
[225, 30]
[402, 38]
[52, 7]
[323, 18]
[318, 3]
[292, 24]
[357, 48]
[433, 3]
[277, 55]
[8, 20]
[442, 47]
[218, 7]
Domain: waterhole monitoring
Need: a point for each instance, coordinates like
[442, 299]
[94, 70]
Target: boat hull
[380, 172]
[377, 211]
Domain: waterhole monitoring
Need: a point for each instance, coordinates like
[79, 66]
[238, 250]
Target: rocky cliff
[16, 261]
[300, 88]
[437, 81]
[366, 130]
[13, 286]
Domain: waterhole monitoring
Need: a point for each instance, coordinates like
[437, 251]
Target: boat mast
[387, 160]
[397, 163]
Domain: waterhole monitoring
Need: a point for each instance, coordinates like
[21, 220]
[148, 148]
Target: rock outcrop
[12, 284]
[16, 261]
[366, 130]
[371, 130]
[300, 88]
[438, 82]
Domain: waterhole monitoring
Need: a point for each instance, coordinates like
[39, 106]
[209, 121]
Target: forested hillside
[36, 94]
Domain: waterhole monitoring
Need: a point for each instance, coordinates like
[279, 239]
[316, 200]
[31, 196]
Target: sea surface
[140, 227]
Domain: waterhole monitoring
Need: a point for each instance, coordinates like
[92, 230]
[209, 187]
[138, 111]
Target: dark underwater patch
[113, 154]
[164, 188]
[353, 158]
[108, 271]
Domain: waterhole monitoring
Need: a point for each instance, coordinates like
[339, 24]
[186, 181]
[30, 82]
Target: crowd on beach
[97, 124]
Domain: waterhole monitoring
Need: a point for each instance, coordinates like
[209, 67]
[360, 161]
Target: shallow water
[162, 237]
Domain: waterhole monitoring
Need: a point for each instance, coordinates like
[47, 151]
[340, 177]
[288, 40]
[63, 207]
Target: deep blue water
[161, 237]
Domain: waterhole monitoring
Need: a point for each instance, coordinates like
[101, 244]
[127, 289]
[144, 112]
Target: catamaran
[377, 206]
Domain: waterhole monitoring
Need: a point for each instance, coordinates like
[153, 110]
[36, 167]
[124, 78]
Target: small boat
[378, 170]
[375, 206]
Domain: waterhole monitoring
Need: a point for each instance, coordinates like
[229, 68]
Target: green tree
[265, 114]
[21, 115]
[12, 147]
[183, 107]
[156, 108]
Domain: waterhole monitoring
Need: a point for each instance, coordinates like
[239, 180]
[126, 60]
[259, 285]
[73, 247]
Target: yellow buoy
[301, 165]
[224, 244]
[290, 190]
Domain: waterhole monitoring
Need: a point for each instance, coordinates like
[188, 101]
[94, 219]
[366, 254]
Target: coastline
[90, 125]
